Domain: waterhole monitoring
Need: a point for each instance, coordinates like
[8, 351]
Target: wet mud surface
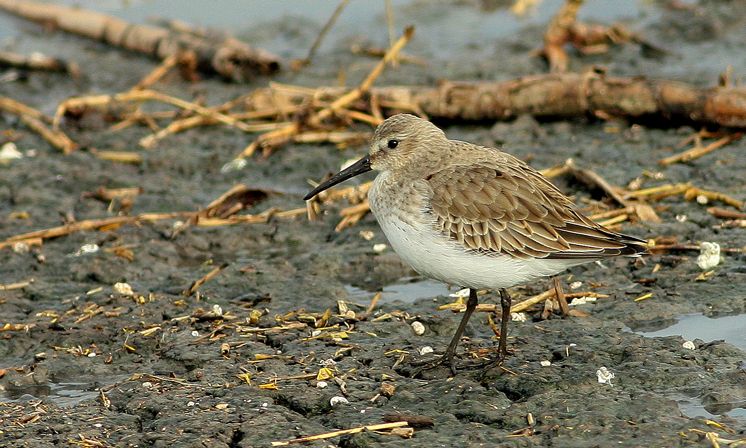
[237, 365]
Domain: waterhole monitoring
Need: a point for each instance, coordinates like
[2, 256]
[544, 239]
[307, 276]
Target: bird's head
[402, 141]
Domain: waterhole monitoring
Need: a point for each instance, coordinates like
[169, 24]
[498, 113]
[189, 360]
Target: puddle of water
[62, 394]
[468, 24]
[732, 329]
[693, 407]
[406, 292]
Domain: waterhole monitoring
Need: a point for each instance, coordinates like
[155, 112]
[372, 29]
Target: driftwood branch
[228, 57]
[38, 62]
[565, 95]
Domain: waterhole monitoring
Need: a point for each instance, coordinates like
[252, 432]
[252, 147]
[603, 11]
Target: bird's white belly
[433, 255]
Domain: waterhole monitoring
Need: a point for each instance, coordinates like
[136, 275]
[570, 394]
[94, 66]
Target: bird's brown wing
[508, 207]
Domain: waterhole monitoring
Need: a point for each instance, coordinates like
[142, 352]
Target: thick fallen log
[228, 57]
[564, 95]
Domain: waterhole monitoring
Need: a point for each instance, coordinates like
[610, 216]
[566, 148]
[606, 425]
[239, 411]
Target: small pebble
[190, 404]
[124, 289]
[92, 355]
[604, 376]
[426, 350]
[576, 285]
[367, 235]
[335, 401]
[147, 384]
[681, 218]
[217, 310]
[689, 345]
[545, 363]
[702, 199]
[418, 328]
[321, 384]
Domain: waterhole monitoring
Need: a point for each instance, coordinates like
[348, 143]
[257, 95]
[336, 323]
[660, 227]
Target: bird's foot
[445, 360]
[487, 366]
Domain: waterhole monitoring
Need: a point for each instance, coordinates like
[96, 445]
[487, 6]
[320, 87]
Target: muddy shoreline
[238, 365]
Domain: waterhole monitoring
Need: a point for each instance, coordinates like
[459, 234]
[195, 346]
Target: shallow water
[731, 329]
[406, 292]
[693, 407]
[62, 394]
[476, 25]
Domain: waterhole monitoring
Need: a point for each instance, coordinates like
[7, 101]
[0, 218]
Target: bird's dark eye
[393, 144]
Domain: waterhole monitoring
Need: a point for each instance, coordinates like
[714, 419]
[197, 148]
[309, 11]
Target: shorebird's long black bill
[359, 167]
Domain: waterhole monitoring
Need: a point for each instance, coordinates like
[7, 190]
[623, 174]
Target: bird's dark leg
[505, 302]
[447, 357]
[502, 347]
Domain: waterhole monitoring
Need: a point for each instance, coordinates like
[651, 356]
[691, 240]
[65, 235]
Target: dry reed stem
[194, 287]
[725, 213]
[287, 133]
[200, 217]
[342, 432]
[699, 151]
[320, 37]
[34, 119]
[141, 96]
[118, 156]
[159, 72]
[558, 34]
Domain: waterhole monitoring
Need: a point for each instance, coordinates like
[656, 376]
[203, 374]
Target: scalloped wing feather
[505, 206]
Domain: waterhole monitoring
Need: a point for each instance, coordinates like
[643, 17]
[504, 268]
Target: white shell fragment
[604, 376]
[709, 255]
[378, 248]
[576, 285]
[9, 151]
[418, 328]
[460, 294]
[518, 317]
[335, 401]
[689, 345]
[217, 310]
[582, 300]
[21, 247]
[322, 385]
[124, 289]
[545, 363]
[426, 350]
[87, 249]
[234, 165]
